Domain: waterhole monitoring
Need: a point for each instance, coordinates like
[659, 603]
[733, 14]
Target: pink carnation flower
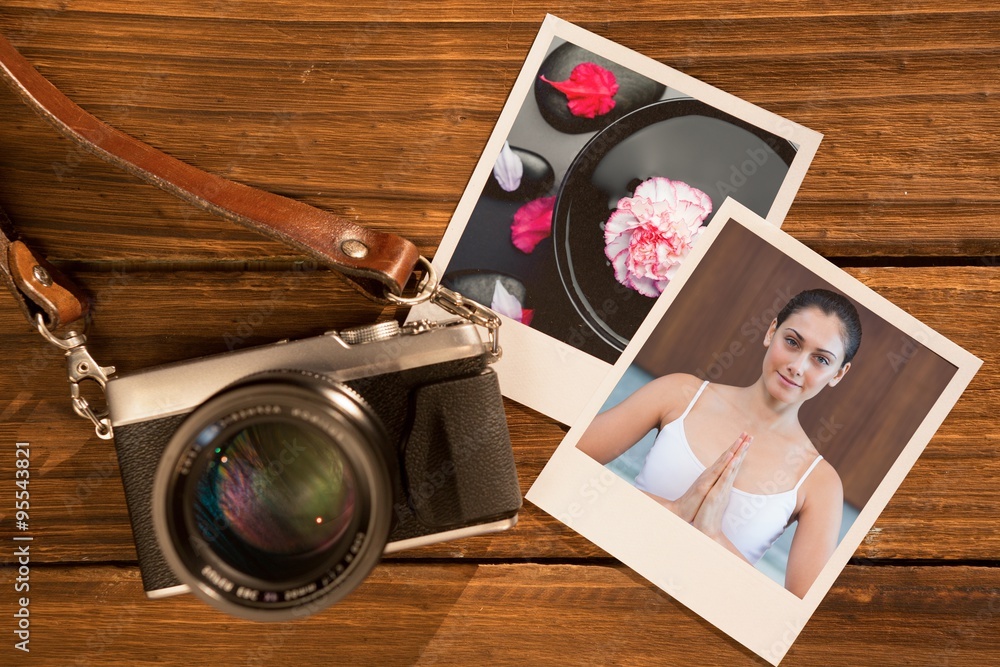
[652, 231]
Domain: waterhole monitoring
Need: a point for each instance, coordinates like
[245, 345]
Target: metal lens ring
[273, 500]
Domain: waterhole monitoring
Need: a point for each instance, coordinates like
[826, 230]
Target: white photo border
[540, 371]
[739, 600]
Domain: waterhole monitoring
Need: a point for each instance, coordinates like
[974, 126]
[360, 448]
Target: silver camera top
[346, 355]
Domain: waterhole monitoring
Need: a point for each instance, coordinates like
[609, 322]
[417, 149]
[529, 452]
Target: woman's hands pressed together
[709, 516]
[710, 490]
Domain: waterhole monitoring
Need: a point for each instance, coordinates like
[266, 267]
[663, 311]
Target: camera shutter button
[370, 333]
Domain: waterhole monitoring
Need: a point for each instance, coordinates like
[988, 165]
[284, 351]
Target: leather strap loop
[375, 261]
[37, 285]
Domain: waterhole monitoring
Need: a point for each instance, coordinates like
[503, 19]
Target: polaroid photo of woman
[753, 430]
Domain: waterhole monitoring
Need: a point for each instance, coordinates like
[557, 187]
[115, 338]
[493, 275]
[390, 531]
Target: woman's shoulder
[680, 382]
[678, 386]
[818, 478]
[674, 392]
[823, 483]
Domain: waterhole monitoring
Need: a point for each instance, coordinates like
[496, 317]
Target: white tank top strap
[808, 470]
[694, 400]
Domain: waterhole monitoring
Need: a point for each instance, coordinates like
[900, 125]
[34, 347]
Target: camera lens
[274, 498]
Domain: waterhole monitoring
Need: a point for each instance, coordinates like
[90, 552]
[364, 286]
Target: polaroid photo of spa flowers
[603, 171]
[753, 430]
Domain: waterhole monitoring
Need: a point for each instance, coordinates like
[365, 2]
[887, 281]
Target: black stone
[479, 285]
[634, 90]
[536, 182]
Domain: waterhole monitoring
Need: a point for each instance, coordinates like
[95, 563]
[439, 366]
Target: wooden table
[378, 111]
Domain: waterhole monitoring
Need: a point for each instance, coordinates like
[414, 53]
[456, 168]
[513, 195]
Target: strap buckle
[81, 366]
[430, 289]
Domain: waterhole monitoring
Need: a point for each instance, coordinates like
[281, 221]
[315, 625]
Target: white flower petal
[508, 169]
[620, 264]
[616, 245]
[645, 286]
[506, 303]
[620, 222]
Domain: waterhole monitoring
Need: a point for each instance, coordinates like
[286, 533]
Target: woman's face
[804, 355]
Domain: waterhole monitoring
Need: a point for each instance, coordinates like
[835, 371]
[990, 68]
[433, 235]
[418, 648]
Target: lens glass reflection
[273, 491]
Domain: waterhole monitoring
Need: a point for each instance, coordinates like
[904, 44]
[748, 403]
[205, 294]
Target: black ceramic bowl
[680, 139]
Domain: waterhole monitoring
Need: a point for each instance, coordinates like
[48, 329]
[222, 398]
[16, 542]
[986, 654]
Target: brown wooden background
[378, 111]
[715, 329]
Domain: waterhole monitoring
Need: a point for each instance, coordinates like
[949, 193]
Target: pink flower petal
[532, 223]
[589, 90]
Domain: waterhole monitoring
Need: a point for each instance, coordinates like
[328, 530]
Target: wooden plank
[365, 123]
[150, 41]
[429, 614]
[945, 509]
[594, 11]
[413, 193]
[677, 41]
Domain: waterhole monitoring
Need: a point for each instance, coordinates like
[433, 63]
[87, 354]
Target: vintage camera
[270, 481]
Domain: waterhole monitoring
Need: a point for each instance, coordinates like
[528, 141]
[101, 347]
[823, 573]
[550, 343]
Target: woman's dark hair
[830, 303]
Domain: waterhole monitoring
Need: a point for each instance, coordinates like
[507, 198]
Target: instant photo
[604, 170]
[753, 430]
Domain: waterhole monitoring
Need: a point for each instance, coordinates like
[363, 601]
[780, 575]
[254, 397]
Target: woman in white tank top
[734, 461]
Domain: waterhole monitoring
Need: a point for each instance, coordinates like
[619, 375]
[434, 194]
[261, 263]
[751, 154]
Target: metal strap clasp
[430, 289]
[80, 366]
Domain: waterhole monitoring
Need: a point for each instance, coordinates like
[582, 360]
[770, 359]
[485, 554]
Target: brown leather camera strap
[376, 262]
[37, 285]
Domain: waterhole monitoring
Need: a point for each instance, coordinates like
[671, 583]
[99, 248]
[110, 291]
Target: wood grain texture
[378, 112]
[905, 101]
[512, 614]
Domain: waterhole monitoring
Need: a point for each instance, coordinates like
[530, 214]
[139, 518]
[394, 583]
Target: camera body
[269, 481]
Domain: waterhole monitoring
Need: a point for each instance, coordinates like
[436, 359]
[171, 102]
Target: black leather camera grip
[459, 462]
[140, 447]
